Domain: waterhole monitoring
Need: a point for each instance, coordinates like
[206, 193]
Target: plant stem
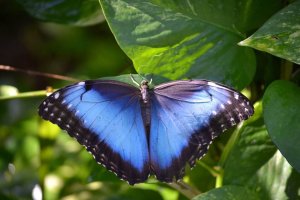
[286, 70]
[185, 189]
[211, 170]
[25, 95]
[230, 144]
[233, 139]
[219, 179]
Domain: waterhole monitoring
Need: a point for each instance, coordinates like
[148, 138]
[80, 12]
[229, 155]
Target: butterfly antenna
[134, 81]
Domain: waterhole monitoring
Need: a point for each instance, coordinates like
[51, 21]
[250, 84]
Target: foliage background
[174, 40]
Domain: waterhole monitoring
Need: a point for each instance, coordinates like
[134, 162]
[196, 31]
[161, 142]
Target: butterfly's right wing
[185, 117]
[104, 116]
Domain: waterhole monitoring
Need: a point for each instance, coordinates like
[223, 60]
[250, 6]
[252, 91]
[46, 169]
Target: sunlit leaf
[270, 181]
[280, 35]
[178, 40]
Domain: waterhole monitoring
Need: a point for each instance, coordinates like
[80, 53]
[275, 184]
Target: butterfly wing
[185, 117]
[105, 117]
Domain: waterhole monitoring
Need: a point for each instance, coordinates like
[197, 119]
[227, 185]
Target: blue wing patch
[105, 117]
[185, 117]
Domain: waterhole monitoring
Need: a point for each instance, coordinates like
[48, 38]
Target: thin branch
[35, 73]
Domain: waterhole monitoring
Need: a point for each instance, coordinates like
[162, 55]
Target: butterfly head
[144, 82]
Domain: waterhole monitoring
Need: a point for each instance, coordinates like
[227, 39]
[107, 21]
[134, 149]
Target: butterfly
[140, 131]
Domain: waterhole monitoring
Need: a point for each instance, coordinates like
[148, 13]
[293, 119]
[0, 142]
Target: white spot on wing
[236, 96]
[212, 84]
[69, 106]
[222, 106]
[214, 112]
[232, 121]
[81, 83]
[229, 102]
[56, 95]
[241, 116]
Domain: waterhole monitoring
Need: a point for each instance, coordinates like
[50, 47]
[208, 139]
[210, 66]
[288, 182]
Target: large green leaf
[280, 35]
[281, 113]
[252, 150]
[190, 39]
[229, 192]
[270, 181]
[136, 79]
[76, 12]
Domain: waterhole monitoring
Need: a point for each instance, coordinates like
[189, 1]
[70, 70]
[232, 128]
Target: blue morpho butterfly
[135, 132]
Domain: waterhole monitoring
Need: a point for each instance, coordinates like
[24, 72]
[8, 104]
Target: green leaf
[293, 185]
[252, 150]
[137, 193]
[76, 12]
[281, 113]
[229, 192]
[130, 78]
[280, 35]
[181, 40]
[270, 181]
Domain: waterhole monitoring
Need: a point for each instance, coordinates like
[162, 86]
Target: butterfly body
[135, 132]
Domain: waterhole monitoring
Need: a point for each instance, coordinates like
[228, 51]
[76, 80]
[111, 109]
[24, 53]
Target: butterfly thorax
[144, 91]
[145, 105]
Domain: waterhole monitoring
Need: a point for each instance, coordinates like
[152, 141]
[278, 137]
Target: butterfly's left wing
[104, 116]
[185, 117]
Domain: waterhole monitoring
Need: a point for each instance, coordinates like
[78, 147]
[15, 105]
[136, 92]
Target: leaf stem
[215, 171]
[25, 95]
[219, 178]
[230, 144]
[212, 171]
[286, 70]
[185, 189]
